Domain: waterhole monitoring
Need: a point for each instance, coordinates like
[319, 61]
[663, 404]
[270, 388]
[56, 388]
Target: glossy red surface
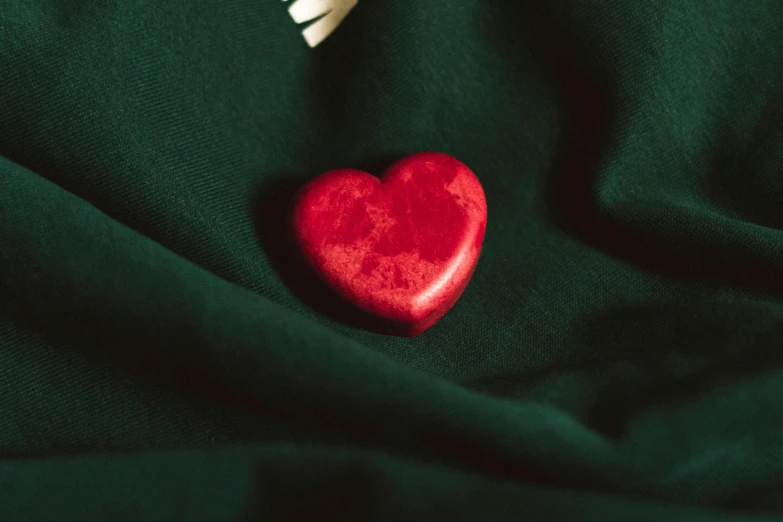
[402, 247]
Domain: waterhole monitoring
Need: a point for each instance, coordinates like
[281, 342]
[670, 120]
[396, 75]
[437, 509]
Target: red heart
[402, 247]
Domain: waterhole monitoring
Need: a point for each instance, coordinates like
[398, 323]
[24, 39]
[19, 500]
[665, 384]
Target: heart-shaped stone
[402, 247]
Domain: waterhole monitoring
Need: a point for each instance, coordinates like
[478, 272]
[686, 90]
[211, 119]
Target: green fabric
[618, 354]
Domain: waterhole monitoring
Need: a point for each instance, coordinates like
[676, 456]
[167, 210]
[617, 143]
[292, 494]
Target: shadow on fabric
[590, 109]
[348, 494]
[656, 355]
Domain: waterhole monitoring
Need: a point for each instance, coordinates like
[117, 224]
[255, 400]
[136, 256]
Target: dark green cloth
[618, 354]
